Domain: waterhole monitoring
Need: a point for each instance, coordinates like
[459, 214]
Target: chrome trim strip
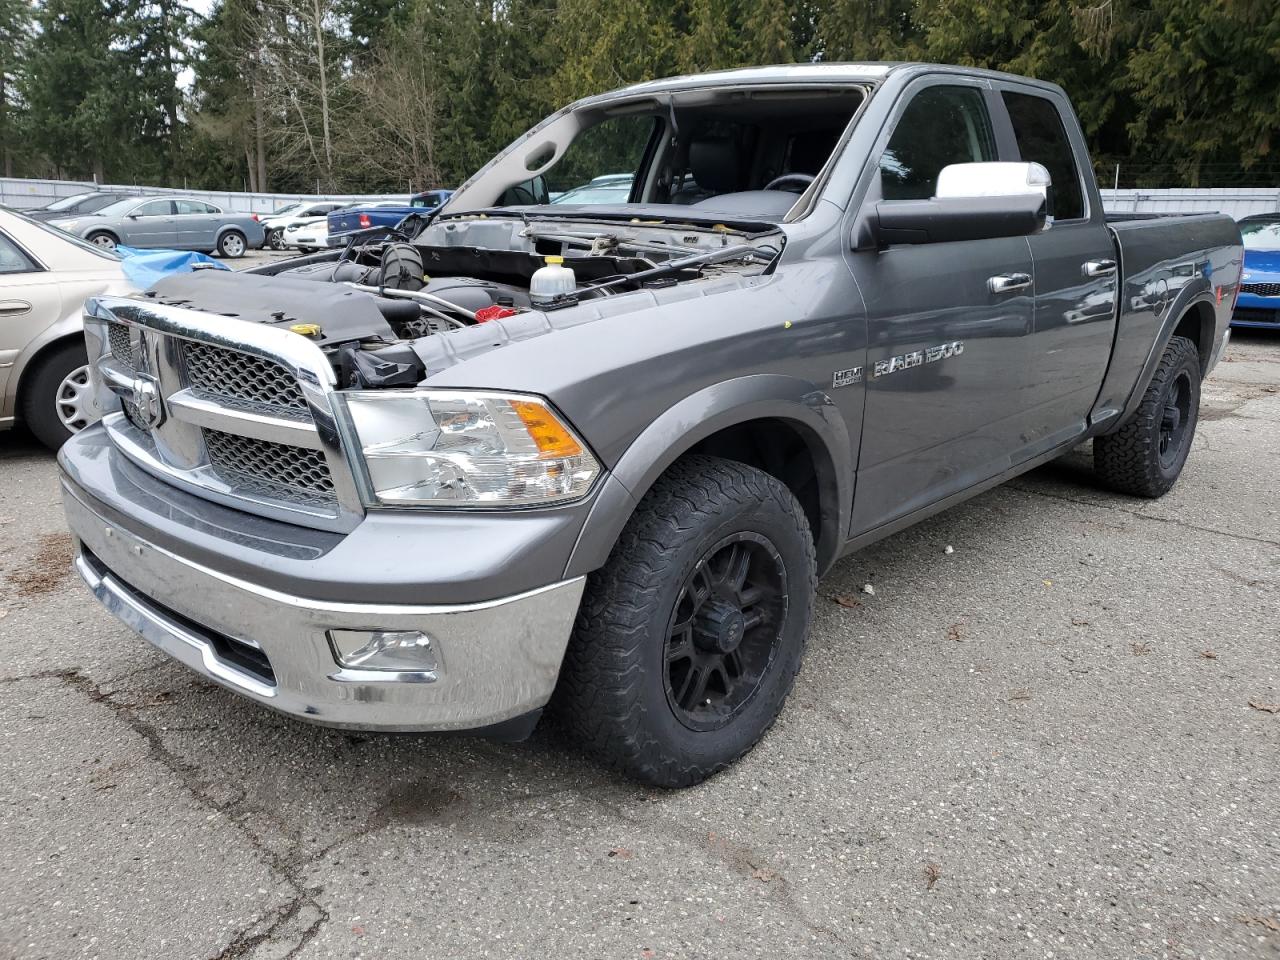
[192, 408]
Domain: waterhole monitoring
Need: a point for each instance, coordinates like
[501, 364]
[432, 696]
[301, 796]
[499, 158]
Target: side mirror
[133, 216]
[972, 201]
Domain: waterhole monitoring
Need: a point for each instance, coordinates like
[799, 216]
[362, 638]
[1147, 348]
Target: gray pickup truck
[595, 458]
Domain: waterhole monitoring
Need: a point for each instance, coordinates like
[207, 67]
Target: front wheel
[275, 239]
[102, 239]
[690, 637]
[1145, 456]
[56, 399]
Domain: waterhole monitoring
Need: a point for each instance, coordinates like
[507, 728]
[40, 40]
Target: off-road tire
[1130, 460]
[612, 697]
[40, 389]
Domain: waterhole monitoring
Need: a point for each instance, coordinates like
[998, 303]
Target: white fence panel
[21, 194]
[1238, 202]
[1234, 201]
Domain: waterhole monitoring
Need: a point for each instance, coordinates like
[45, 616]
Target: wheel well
[782, 449]
[36, 361]
[110, 233]
[1197, 325]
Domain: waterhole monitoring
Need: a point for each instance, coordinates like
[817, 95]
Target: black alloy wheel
[1175, 418]
[725, 630]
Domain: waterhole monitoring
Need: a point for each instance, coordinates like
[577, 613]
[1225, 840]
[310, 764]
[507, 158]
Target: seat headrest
[714, 164]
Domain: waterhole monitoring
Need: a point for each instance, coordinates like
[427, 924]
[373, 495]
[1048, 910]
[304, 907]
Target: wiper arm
[742, 251]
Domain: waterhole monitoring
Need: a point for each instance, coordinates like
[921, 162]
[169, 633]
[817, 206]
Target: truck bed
[1155, 287]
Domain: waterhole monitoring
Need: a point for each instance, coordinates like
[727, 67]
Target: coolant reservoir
[551, 281]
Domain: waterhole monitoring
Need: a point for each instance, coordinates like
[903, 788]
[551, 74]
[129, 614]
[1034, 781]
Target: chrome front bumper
[496, 660]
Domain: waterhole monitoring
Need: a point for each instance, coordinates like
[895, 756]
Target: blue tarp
[145, 267]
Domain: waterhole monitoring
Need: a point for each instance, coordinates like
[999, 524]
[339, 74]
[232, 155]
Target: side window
[154, 208]
[12, 259]
[1042, 139]
[940, 126]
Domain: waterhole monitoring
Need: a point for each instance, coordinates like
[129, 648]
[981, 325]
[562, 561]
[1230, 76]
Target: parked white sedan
[306, 236]
[45, 276]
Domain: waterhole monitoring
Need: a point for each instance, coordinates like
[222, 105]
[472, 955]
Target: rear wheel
[1145, 456]
[275, 239]
[56, 396]
[690, 637]
[232, 244]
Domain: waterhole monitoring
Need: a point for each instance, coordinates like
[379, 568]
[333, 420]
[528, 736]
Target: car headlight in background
[478, 449]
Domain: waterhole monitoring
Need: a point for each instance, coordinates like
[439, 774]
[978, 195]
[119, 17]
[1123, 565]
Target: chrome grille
[277, 469]
[241, 376]
[121, 346]
[247, 413]
[1261, 289]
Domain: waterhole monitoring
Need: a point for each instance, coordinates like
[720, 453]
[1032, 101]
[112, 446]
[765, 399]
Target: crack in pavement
[1141, 516]
[268, 928]
[738, 858]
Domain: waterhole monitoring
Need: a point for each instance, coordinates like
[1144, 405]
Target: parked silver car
[45, 277]
[173, 223]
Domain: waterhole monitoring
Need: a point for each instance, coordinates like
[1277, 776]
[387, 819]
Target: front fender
[795, 402]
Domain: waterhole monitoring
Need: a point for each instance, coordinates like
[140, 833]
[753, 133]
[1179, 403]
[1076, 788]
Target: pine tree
[77, 88]
[15, 31]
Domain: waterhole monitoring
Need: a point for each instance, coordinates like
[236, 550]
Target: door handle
[1098, 268]
[14, 308]
[1008, 282]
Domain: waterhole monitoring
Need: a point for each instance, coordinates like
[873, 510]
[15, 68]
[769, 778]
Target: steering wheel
[790, 182]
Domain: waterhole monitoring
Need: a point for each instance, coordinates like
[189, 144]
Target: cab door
[1075, 267]
[948, 324]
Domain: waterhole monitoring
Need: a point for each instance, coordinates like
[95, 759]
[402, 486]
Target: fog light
[404, 650]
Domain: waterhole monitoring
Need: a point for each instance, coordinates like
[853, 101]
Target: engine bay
[379, 307]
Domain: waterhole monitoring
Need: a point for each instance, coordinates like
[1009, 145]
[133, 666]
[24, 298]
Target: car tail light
[255, 217]
[365, 221]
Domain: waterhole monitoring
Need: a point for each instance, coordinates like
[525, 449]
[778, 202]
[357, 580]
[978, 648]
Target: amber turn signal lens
[548, 433]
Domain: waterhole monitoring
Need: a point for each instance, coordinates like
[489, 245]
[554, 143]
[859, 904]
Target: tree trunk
[4, 127]
[251, 166]
[259, 133]
[324, 95]
[171, 98]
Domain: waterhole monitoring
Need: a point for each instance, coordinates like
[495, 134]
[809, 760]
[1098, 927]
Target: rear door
[197, 224]
[1075, 268]
[151, 224]
[948, 344]
[30, 300]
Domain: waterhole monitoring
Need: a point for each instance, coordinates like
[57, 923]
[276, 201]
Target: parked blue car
[349, 220]
[1259, 302]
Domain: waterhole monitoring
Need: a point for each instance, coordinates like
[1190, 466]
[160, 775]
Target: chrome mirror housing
[964, 180]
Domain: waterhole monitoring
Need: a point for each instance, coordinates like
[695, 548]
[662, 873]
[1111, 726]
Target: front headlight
[447, 448]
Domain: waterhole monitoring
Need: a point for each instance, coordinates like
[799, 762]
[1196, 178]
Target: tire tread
[598, 698]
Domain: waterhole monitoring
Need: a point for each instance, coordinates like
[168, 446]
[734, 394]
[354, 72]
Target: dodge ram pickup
[594, 459]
